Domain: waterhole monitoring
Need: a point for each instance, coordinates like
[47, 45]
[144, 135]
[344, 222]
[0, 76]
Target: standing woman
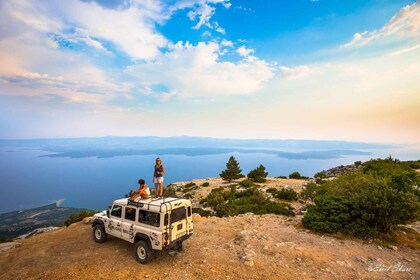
[158, 178]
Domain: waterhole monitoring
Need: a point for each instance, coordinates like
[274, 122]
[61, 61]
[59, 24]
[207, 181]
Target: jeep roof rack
[163, 202]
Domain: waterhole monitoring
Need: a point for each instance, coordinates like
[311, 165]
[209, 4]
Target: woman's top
[158, 171]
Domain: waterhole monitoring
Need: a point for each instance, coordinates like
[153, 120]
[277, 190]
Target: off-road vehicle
[151, 224]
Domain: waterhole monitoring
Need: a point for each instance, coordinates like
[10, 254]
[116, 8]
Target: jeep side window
[130, 214]
[189, 211]
[149, 218]
[116, 211]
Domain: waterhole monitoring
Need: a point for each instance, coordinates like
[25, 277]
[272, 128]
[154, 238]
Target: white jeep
[151, 224]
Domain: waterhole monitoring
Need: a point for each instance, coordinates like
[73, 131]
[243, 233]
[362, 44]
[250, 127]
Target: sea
[28, 179]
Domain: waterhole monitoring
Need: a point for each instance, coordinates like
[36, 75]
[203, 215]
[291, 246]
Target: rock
[88, 220]
[344, 263]
[379, 248]
[249, 263]
[299, 259]
[246, 234]
[392, 247]
[7, 246]
[361, 259]
[196, 217]
[146, 276]
[249, 254]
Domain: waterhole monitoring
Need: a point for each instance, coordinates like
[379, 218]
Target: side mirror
[107, 213]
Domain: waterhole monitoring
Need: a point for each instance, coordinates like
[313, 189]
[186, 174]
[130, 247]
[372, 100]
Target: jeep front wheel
[142, 252]
[99, 234]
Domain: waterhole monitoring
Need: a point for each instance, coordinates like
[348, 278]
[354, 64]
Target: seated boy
[143, 191]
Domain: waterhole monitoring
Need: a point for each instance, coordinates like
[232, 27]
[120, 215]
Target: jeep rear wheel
[99, 234]
[142, 252]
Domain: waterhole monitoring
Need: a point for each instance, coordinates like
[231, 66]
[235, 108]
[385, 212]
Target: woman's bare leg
[156, 189]
[161, 189]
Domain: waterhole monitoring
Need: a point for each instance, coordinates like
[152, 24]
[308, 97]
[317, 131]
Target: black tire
[99, 234]
[144, 254]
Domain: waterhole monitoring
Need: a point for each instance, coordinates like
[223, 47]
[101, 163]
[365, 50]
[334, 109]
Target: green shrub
[296, 175]
[286, 194]
[205, 184]
[281, 177]
[232, 202]
[232, 170]
[188, 195]
[309, 191]
[365, 203]
[190, 185]
[258, 174]
[246, 183]
[272, 190]
[320, 175]
[73, 218]
[169, 191]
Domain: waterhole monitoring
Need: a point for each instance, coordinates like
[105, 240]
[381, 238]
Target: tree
[232, 170]
[258, 175]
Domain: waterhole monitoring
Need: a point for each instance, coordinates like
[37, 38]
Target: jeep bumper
[177, 241]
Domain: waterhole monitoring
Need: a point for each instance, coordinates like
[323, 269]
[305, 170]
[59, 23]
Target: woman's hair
[141, 182]
[158, 159]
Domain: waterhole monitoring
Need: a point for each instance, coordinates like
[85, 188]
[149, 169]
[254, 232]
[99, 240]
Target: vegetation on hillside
[258, 174]
[296, 175]
[370, 201]
[74, 218]
[231, 202]
[232, 171]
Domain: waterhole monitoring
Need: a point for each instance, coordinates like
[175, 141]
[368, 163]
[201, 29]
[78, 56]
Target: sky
[290, 69]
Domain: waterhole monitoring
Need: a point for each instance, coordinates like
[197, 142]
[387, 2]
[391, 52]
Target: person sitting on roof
[143, 191]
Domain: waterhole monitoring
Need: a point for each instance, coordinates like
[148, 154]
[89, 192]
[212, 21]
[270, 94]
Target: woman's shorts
[157, 180]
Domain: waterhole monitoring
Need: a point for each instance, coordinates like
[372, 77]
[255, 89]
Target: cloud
[195, 71]
[405, 24]
[295, 72]
[131, 30]
[405, 50]
[203, 10]
[243, 51]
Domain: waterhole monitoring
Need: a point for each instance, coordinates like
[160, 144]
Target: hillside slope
[241, 247]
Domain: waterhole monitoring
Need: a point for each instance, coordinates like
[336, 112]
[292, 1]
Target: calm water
[28, 180]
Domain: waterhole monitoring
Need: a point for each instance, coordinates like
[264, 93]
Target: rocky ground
[242, 247]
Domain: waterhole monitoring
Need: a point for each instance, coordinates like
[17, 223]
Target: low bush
[232, 202]
[309, 191]
[370, 202]
[281, 177]
[169, 191]
[247, 183]
[286, 194]
[272, 190]
[296, 175]
[74, 218]
[205, 184]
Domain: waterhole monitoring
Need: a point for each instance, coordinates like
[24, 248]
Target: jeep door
[178, 223]
[114, 224]
[129, 218]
